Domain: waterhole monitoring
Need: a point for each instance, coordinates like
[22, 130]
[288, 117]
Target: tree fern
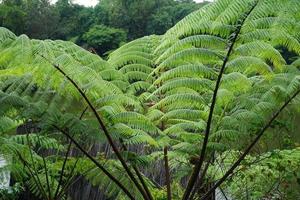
[210, 83]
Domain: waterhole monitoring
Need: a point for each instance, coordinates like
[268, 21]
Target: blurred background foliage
[120, 20]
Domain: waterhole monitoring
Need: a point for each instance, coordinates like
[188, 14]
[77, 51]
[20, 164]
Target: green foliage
[155, 92]
[74, 20]
[36, 18]
[65, 20]
[103, 38]
[12, 17]
[134, 16]
[270, 175]
[11, 193]
[167, 16]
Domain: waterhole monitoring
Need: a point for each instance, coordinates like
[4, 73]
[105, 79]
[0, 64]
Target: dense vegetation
[67, 21]
[208, 109]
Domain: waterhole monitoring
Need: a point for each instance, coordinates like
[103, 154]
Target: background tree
[103, 38]
[68, 21]
[164, 17]
[13, 16]
[74, 20]
[41, 19]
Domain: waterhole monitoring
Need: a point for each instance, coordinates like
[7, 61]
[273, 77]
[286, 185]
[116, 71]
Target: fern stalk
[46, 171]
[57, 193]
[198, 166]
[107, 173]
[47, 177]
[103, 127]
[68, 181]
[166, 162]
[62, 170]
[138, 173]
[248, 149]
[33, 175]
[199, 182]
[168, 177]
[35, 169]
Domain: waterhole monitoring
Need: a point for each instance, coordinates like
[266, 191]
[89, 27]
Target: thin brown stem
[138, 173]
[62, 170]
[68, 181]
[33, 164]
[47, 177]
[46, 171]
[57, 193]
[167, 171]
[33, 175]
[197, 168]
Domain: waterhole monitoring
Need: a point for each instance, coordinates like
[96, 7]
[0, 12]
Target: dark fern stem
[168, 177]
[197, 168]
[100, 166]
[103, 127]
[258, 134]
[138, 173]
[62, 171]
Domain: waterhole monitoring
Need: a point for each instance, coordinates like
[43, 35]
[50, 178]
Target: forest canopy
[204, 107]
[39, 19]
